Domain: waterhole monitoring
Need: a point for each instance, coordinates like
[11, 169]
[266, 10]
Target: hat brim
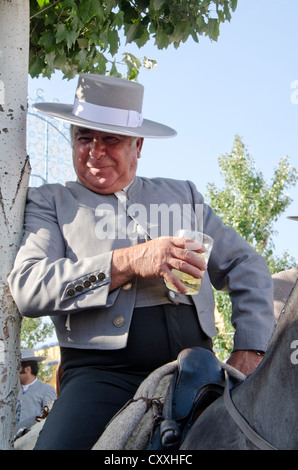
[293, 217]
[149, 129]
[33, 358]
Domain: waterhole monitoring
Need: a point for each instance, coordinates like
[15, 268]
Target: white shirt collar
[25, 387]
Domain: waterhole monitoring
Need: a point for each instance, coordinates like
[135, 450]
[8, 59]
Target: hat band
[105, 115]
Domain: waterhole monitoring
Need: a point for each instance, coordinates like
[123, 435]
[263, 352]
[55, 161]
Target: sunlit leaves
[251, 205]
[74, 35]
[247, 202]
[35, 330]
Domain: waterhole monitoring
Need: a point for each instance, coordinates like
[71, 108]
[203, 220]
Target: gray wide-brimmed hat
[29, 355]
[108, 104]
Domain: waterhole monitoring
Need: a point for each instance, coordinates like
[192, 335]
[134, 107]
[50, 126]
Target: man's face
[24, 371]
[104, 162]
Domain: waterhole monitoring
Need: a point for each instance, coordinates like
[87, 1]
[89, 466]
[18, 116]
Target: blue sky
[211, 91]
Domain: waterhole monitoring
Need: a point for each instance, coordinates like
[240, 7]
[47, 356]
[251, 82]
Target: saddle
[197, 382]
[167, 403]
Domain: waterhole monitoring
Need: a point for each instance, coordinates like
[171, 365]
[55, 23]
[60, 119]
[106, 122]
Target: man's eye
[111, 139]
[84, 139]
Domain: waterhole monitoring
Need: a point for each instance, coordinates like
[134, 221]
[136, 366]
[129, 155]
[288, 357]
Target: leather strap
[254, 437]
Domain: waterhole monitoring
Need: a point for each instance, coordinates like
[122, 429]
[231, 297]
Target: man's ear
[140, 142]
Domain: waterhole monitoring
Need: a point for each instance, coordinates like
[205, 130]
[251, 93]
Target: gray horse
[267, 400]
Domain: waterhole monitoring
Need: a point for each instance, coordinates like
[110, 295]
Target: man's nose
[98, 148]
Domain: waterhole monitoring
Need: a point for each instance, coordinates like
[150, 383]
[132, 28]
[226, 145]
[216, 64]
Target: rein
[249, 432]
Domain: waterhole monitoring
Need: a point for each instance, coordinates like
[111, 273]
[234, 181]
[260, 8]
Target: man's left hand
[245, 361]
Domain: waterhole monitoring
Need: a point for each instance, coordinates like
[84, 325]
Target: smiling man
[104, 162]
[115, 319]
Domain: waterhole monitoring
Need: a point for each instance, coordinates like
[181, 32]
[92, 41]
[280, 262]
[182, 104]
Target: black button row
[86, 284]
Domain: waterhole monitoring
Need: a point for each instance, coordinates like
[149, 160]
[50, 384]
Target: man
[95, 255]
[33, 394]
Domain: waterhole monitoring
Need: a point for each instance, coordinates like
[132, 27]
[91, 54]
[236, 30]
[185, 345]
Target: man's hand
[156, 259]
[245, 361]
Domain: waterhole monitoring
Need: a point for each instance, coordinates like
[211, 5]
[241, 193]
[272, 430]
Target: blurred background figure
[33, 394]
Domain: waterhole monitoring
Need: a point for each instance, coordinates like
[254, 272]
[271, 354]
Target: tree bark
[14, 176]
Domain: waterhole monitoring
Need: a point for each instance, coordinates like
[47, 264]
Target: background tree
[34, 331]
[251, 206]
[72, 36]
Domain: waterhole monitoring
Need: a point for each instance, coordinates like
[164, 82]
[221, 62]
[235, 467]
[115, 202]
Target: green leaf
[60, 33]
[213, 28]
[101, 63]
[83, 43]
[43, 3]
[157, 4]
[161, 38]
[36, 65]
[89, 9]
[60, 60]
[70, 37]
[132, 32]
[113, 71]
[133, 66]
[149, 63]
[113, 40]
[234, 4]
[49, 60]
[117, 19]
[110, 4]
[81, 58]
[47, 40]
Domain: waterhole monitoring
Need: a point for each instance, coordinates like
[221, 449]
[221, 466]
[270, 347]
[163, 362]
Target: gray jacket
[64, 263]
[31, 402]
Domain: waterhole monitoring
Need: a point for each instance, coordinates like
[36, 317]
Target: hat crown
[28, 355]
[111, 92]
[107, 104]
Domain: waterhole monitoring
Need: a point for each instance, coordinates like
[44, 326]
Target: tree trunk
[14, 175]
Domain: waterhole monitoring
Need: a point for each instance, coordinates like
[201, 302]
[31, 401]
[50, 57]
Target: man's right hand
[156, 259]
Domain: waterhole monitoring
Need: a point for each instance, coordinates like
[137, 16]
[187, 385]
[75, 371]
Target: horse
[260, 412]
[264, 405]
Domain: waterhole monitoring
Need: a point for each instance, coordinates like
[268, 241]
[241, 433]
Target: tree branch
[44, 9]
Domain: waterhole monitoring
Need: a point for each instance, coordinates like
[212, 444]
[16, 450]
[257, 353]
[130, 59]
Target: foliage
[251, 206]
[80, 35]
[34, 331]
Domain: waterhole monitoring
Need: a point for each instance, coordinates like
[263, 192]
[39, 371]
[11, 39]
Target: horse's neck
[268, 398]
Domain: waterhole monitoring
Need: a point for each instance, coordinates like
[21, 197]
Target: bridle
[241, 422]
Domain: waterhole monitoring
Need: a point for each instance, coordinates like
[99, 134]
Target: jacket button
[70, 292]
[86, 283]
[92, 278]
[101, 276]
[119, 321]
[79, 288]
[172, 296]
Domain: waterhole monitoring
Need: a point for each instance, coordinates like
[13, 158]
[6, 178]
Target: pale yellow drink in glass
[197, 239]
